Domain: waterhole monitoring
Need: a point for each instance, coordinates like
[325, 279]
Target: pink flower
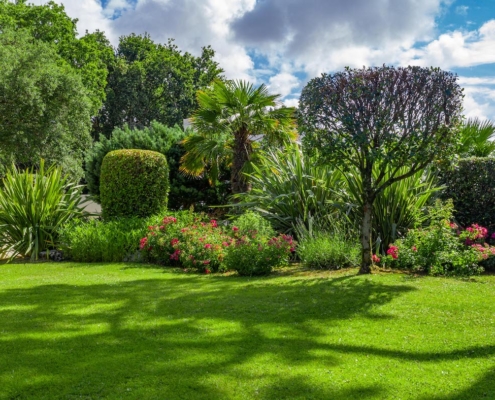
[393, 251]
[235, 228]
[175, 255]
[226, 244]
[375, 258]
[214, 223]
[414, 248]
[493, 235]
[206, 262]
[174, 241]
[207, 246]
[207, 271]
[142, 243]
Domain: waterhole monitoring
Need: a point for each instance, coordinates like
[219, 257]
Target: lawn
[75, 331]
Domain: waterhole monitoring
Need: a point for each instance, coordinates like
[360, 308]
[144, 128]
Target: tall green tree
[393, 118]
[88, 55]
[231, 117]
[44, 106]
[477, 138]
[152, 82]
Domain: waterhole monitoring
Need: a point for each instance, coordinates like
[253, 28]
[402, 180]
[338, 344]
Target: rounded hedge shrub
[133, 183]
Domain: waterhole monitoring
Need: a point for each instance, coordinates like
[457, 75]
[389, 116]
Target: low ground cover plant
[443, 248]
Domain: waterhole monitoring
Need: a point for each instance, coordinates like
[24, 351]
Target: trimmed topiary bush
[471, 186]
[133, 183]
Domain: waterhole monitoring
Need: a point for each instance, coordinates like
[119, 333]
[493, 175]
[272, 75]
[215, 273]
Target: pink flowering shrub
[257, 255]
[197, 242]
[443, 248]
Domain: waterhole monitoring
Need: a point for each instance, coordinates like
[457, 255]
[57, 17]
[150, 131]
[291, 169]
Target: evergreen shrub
[133, 183]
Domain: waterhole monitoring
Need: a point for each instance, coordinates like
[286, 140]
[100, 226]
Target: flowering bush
[443, 248]
[193, 242]
[257, 255]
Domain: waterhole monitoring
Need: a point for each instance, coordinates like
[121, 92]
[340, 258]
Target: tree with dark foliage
[390, 117]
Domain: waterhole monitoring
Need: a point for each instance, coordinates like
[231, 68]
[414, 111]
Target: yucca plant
[33, 206]
[289, 189]
[396, 209]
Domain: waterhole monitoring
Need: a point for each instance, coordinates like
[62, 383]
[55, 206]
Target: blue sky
[284, 43]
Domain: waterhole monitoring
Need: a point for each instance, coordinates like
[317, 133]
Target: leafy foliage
[252, 255]
[397, 208]
[44, 109]
[477, 138]
[157, 138]
[97, 241]
[133, 183]
[48, 23]
[404, 117]
[230, 116]
[251, 223]
[440, 249]
[328, 251]
[152, 82]
[471, 186]
[289, 188]
[33, 207]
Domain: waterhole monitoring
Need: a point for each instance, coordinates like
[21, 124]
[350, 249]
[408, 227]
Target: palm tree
[233, 120]
[477, 138]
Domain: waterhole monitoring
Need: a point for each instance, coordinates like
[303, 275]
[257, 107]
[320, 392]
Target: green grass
[75, 331]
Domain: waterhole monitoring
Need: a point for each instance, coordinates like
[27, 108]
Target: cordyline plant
[385, 116]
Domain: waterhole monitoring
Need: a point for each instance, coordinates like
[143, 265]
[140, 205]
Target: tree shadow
[187, 337]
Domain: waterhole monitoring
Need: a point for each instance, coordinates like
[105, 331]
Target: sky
[285, 43]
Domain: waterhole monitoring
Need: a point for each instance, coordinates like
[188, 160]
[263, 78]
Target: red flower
[375, 258]
[175, 255]
[206, 262]
[207, 246]
[414, 248]
[214, 223]
[235, 228]
[393, 251]
[174, 241]
[207, 271]
[142, 243]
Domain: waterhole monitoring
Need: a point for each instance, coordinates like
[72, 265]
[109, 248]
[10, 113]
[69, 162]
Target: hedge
[133, 183]
[471, 186]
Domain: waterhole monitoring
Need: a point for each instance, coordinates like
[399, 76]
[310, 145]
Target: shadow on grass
[188, 338]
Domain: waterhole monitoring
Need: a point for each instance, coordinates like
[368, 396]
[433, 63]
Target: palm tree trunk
[242, 154]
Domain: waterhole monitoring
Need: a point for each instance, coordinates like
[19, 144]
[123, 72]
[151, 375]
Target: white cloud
[283, 83]
[461, 10]
[457, 49]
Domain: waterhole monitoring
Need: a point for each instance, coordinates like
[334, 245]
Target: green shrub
[471, 186]
[255, 255]
[442, 248]
[328, 251]
[251, 223]
[184, 191]
[97, 241]
[188, 239]
[133, 183]
[157, 137]
[33, 207]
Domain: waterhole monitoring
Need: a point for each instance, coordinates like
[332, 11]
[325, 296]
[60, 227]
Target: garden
[341, 249]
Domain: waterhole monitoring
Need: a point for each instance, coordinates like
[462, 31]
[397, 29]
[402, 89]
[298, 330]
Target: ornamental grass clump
[34, 205]
[443, 248]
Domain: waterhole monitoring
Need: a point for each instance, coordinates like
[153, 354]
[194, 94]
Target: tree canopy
[44, 106]
[391, 117]
[88, 55]
[152, 82]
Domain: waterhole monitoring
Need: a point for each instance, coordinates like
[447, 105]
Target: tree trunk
[366, 229]
[366, 226]
[242, 153]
